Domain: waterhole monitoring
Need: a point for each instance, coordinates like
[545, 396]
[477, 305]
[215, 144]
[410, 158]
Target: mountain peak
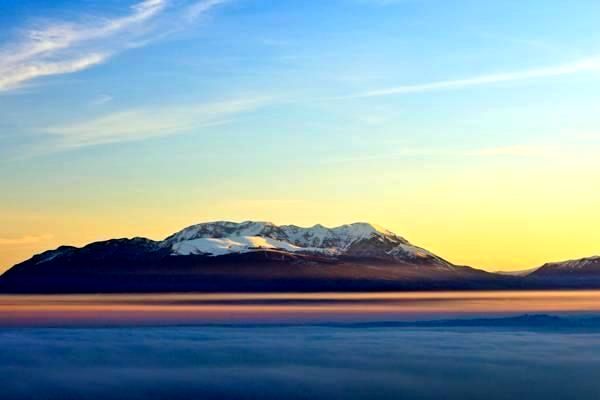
[254, 228]
[576, 264]
[356, 239]
[582, 267]
[365, 228]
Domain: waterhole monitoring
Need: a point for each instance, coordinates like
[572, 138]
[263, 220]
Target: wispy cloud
[535, 44]
[62, 48]
[144, 123]
[381, 2]
[585, 65]
[101, 100]
[68, 47]
[201, 7]
[24, 240]
[12, 79]
[553, 151]
[536, 150]
[587, 136]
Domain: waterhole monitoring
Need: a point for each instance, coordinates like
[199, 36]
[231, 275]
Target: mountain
[580, 267]
[247, 256]
[261, 256]
[521, 272]
[358, 240]
[584, 272]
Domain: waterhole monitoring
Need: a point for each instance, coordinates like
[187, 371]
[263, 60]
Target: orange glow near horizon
[159, 309]
[516, 221]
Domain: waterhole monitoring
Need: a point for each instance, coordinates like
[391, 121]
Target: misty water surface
[300, 346]
[297, 362]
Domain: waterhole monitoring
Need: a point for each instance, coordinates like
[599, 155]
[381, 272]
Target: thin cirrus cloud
[101, 100]
[555, 151]
[24, 240]
[199, 8]
[13, 79]
[66, 47]
[580, 66]
[144, 123]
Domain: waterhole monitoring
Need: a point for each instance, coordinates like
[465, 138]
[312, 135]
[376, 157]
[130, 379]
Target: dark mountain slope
[249, 256]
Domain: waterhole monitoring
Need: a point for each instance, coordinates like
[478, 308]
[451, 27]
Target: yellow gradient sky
[518, 219]
[471, 129]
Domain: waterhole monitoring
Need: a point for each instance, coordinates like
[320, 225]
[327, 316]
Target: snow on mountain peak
[578, 264]
[357, 239]
[234, 244]
[363, 229]
[315, 236]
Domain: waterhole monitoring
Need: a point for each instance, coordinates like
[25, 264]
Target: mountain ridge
[359, 239]
[575, 268]
[262, 256]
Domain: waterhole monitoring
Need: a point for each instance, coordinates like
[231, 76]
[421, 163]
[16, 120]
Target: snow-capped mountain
[579, 267]
[357, 239]
[261, 256]
[246, 256]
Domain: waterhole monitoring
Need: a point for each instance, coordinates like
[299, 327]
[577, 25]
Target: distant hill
[580, 273]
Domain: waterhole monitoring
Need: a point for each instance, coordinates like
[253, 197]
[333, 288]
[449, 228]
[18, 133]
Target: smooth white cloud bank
[64, 47]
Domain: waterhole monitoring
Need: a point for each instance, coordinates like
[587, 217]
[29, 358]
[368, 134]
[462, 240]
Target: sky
[472, 128]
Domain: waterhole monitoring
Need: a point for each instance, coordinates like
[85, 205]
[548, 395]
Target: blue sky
[188, 110]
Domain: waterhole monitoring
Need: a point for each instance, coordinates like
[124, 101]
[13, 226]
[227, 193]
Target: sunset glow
[140, 118]
[185, 309]
[299, 200]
